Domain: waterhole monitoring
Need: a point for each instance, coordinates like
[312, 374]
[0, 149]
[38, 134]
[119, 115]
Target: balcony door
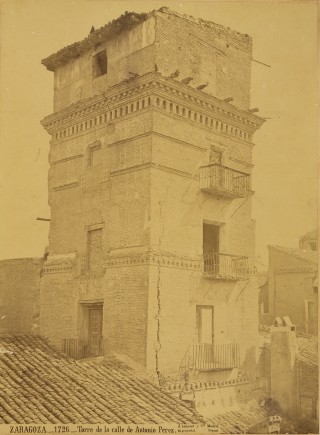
[211, 248]
[210, 238]
[205, 324]
[95, 331]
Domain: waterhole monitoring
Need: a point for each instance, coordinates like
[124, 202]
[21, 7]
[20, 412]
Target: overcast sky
[284, 36]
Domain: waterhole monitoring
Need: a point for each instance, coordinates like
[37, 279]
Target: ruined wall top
[129, 20]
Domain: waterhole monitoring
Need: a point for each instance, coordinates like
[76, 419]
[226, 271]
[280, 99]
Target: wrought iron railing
[211, 357]
[218, 178]
[226, 266]
[78, 348]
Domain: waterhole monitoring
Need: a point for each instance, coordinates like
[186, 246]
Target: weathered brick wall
[19, 294]
[183, 206]
[125, 310]
[209, 53]
[82, 195]
[128, 51]
[59, 299]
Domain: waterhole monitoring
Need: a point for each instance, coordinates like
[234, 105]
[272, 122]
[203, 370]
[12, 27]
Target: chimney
[283, 364]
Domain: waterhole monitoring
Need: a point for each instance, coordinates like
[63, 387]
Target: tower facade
[151, 243]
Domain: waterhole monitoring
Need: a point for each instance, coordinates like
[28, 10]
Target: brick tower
[151, 241]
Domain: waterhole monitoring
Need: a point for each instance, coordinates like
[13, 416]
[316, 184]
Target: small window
[100, 64]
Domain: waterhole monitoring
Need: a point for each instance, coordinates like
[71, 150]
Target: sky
[285, 154]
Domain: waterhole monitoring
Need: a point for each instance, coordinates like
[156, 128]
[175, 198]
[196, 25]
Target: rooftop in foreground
[38, 385]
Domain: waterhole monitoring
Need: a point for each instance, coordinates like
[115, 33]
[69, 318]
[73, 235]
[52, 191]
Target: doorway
[210, 238]
[205, 325]
[211, 242]
[95, 330]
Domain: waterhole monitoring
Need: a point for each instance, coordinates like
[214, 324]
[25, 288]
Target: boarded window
[95, 252]
[100, 64]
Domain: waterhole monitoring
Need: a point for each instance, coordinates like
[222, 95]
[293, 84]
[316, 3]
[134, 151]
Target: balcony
[220, 180]
[78, 348]
[226, 266]
[211, 357]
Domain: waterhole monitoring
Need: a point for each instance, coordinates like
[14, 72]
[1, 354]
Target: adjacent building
[292, 287]
[20, 295]
[151, 244]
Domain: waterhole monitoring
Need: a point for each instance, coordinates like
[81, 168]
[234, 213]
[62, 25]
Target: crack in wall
[158, 315]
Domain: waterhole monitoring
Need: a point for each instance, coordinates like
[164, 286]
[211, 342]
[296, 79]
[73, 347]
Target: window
[210, 238]
[99, 64]
[95, 252]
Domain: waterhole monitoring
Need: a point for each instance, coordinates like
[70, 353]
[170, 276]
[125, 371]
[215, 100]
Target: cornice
[156, 259]
[59, 264]
[114, 103]
[149, 258]
[57, 269]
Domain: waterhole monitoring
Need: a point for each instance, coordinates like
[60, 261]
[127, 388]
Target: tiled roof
[308, 350]
[38, 384]
[240, 421]
[311, 235]
[301, 254]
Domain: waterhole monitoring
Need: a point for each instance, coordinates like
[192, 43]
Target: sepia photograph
[158, 224]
